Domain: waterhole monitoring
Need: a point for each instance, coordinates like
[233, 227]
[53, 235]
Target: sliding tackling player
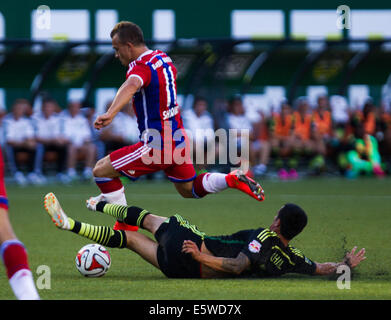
[182, 251]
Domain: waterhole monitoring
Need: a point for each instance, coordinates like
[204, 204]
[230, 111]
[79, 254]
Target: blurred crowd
[59, 141]
[287, 141]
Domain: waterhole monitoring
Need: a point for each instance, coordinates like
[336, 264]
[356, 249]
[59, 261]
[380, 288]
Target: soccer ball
[93, 260]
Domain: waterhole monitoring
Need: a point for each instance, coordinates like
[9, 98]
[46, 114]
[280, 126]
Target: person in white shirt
[77, 130]
[122, 131]
[50, 137]
[199, 125]
[3, 113]
[19, 141]
[237, 119]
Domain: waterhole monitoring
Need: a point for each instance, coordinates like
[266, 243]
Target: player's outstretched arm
[124, 94]
[227, 265]
[352, 260]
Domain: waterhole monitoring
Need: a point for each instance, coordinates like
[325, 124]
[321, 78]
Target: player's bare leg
[144, 246]
[185, 189]
[12, 251]
[15, 259]
[6, 231]
[104, 169]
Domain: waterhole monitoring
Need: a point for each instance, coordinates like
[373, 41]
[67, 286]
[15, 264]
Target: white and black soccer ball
[93, 260]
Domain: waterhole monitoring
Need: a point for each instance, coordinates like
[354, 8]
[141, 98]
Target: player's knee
[99, 170]
[96, 171]
[185, 189]
[187, 195]
[104, 169]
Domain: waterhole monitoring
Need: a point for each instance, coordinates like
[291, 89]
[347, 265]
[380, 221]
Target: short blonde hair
[128, 32]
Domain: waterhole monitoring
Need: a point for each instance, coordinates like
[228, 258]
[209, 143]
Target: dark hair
[49, 100]
[128, 32]
[198, 99]
[293, 219]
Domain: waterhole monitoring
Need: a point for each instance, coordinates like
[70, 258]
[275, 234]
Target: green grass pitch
[341, 214]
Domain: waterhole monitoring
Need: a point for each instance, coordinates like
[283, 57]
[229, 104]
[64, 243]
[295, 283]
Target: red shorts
[140, 159]
[3, 192]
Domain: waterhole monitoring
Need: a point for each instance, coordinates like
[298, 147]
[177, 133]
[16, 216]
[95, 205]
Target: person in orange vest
[303, 143]
[367, 117]
[281, 140]
[261, 147]
[323, 131]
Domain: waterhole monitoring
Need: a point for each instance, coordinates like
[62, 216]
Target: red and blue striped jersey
[155, 104]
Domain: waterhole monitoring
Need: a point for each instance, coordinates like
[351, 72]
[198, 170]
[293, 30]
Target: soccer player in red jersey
[13, 252]
[151, 86]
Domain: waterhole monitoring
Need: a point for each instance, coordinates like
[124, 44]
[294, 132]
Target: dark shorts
[172, 261]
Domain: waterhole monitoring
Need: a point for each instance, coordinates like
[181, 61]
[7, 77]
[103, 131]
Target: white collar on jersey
[144, 54]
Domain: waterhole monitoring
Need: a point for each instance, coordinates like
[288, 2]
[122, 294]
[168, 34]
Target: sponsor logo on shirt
[254, 246]
[159, 63]
[170, 113]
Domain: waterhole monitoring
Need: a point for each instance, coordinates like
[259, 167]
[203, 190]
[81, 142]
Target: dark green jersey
[266, 252]
[228, 246]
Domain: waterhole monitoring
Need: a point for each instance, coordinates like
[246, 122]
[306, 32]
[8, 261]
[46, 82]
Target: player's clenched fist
[103, 121]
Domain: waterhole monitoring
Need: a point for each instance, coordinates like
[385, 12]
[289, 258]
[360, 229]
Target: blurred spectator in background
[77, 130]
[366, 117]
[3, 113]
[364, 156]
[340, 111]
[50, 139]
[261, 147]
[340, 114]
[237, 120]
[323, 132]
[281, 141]
[384, 130]
[302, 142]
[123, 130]
[90, 114]
[20, 142]
[199, 125]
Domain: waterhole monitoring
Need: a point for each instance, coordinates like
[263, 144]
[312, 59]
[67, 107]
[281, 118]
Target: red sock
[107, 185]
[123, 226]
[14, 256]
[198, 188]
